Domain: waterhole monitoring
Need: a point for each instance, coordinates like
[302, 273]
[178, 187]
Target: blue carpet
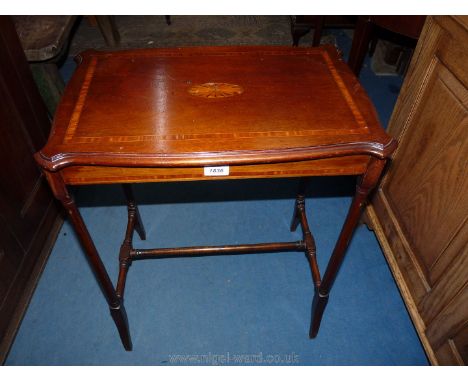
[236, 310]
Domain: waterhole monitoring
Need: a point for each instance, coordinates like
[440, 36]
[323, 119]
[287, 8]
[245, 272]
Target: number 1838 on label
[216, 171]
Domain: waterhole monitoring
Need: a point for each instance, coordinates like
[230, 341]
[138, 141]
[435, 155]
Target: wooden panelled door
[421, 208]
[29, 216]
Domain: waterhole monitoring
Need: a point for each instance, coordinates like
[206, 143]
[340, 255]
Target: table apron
[82, 175]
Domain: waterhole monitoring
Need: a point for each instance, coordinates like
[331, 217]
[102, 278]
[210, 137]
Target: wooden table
[204, 113]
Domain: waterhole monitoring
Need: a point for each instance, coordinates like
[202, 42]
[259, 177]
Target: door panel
[421, 206]
[426, 188]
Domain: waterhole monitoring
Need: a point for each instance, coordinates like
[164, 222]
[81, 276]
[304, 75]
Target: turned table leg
[134, 224]
[300, 201]
[133, 210]
[116, 307]
[366, 183]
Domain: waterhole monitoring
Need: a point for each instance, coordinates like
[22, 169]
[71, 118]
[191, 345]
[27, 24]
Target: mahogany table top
[183, 107]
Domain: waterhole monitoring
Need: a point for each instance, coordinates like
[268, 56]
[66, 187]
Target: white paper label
[216, 171]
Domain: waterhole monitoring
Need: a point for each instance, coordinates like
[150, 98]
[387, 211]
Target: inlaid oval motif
[215, 90]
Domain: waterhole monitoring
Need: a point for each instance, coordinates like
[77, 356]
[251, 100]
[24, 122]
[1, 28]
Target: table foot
[319, 303]
[119, 315]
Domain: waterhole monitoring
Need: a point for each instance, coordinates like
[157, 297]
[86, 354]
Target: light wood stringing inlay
[75, 118]
[344, 91]
[185, 137]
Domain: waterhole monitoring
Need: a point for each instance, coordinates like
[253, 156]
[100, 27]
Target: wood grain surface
[422, 204]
